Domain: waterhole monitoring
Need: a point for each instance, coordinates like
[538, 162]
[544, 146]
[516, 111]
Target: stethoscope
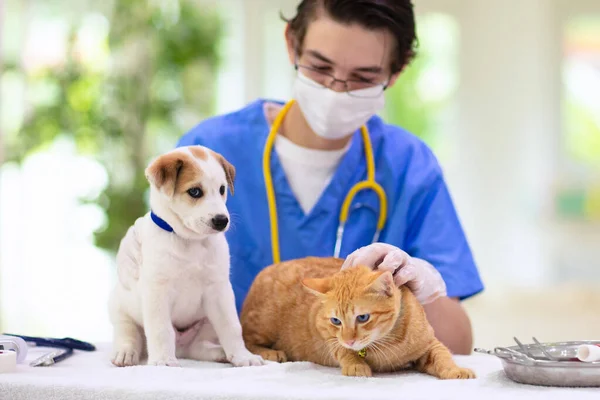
[368, 184]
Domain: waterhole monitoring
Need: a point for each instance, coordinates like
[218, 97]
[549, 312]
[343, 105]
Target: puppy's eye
[222, 190]
[195, 193]
[363, 318]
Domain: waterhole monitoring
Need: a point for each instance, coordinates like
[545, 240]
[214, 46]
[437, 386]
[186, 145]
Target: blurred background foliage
[422, 98]
[150, 79]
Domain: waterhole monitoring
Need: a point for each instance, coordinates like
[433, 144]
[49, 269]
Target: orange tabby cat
[356, 319]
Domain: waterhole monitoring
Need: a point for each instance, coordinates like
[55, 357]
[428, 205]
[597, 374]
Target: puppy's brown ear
[164, 171]
[228, 168]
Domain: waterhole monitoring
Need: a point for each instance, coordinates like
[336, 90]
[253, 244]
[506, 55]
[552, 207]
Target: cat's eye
[363, 318]
[335, 321]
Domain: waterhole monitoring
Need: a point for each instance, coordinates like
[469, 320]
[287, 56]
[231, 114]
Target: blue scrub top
[421, 217]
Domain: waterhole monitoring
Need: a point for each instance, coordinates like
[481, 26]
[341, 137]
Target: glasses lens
[313, 77]
[323, 80]
[367, 92]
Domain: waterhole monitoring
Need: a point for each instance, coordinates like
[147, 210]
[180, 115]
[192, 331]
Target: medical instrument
[588, 353]
[53, 342]
[63, 348]
[548, 364]
[368, 184]
[53, 357]
[8, 361]
[16, 345]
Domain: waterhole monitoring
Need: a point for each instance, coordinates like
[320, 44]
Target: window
[580, 199]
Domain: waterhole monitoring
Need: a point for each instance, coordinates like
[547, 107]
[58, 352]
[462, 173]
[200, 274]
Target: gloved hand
[419, 276]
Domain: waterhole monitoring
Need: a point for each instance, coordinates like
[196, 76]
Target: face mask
[335, 115]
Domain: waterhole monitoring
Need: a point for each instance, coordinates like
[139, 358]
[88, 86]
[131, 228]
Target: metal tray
[548, 364]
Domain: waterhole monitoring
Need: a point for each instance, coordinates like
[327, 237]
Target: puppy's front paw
[243, 358]
[164, 362]
[125, 357]
[357, 370]
[457, 373]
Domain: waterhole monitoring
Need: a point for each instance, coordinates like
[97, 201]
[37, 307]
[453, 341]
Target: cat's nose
[350, 342]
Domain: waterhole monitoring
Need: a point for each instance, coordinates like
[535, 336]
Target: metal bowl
[549, 364]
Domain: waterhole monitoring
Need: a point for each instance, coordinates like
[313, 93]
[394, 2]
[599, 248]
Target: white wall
[509, 126]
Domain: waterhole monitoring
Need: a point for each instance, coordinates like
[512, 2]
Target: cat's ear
[317, 286]
[383, 285]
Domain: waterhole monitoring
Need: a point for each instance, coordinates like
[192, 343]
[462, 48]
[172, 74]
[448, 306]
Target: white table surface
[92, 376]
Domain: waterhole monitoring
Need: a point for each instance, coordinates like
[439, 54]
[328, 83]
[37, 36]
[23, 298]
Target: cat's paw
[164, 362]
[357, 370]
[273, 355]
[243, 358]
[125, 357]
[457, 373]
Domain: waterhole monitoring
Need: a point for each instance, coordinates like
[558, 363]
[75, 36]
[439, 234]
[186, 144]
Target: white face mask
[335, 115]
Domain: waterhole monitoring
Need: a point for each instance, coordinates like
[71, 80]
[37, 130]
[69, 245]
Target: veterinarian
[297, 162]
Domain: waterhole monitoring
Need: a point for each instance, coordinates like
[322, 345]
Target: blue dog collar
[160, 222]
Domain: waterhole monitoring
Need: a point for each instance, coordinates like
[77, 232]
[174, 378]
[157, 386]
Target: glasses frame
[383, 85]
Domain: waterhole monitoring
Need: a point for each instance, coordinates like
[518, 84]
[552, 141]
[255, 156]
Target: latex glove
[422, 278]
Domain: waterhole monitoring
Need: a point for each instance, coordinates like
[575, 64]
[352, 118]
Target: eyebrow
[375, 69]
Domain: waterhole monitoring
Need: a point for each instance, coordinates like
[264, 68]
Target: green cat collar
[362, 353]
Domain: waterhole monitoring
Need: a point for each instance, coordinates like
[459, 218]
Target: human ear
[291, 44]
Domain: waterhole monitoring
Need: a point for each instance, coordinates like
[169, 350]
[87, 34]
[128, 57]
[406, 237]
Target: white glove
[422, 278]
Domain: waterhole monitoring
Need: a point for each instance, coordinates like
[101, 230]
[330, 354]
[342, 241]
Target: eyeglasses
[355, 88]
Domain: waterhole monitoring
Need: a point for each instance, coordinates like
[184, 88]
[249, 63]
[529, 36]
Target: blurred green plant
[159, 80]
[419, 100]
[405, 108]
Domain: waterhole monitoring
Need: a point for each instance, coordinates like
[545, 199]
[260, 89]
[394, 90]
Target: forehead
[348, 45]
[346, 300]
[199, 166]
[206, 161]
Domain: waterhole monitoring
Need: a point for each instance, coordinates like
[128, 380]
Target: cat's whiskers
[330, 346]
[376, 352]
[382, 350]
[388, 340]
[323, 349]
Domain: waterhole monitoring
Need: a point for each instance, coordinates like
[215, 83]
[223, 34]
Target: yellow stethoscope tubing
[370, 183]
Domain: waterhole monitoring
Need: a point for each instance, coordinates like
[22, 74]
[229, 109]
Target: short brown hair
[396, 16]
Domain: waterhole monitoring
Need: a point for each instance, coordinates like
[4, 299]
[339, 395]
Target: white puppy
[173, 291]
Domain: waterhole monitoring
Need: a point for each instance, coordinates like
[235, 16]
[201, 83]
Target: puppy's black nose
[219, 222]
